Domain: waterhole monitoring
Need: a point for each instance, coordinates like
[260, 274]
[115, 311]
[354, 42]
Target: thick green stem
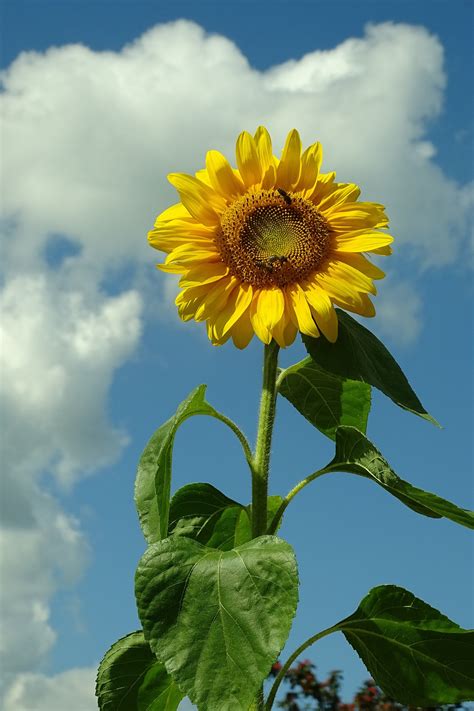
[261, 461]
[289, 662]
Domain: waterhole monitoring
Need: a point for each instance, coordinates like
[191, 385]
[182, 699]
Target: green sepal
[357, 455]
[415, 654]
[153, 480]
[217, 619]
[325, 399]
[359, 355]
[131, 678]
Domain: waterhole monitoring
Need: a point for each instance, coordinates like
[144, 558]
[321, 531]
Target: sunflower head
[269, 247]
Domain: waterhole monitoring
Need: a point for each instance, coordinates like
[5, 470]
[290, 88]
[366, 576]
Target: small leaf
[217, 619]
[202, 512]
[357, 455]
[153, 481]
[131, 678]
[325, 399]
[359, 355]
[414, 653]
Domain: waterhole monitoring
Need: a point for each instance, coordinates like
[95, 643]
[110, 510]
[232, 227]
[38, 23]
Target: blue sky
[95, 357]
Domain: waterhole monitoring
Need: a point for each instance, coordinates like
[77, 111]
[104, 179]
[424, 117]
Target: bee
[269, 263]
[284, 195]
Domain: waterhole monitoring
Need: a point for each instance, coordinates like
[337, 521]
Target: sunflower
[270, 247]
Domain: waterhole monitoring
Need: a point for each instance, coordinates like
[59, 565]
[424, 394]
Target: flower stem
[289, 662]
[261, 460]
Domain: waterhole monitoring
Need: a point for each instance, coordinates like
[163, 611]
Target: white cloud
[72, 690]
[88, 140]
[399, 312]
[60, 348]
[96, 133]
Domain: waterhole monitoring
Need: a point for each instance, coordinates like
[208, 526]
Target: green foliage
[216, 605]
[202, 512]
[414, 653]
[153, 480]
[357, 455]
[130, 678]
[325, 399]
[359, 355]
[217, 619]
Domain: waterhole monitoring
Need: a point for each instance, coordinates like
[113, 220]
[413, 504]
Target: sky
[100, 101]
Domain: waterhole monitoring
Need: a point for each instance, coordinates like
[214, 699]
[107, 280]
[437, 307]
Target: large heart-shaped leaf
[357, 455]
[414, 653]
[130, 678]
[153, 480]
[359, 355]
[217, 619]
[325, 399]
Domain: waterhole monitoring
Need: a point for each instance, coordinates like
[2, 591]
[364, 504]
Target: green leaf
[359, 355]
[202, 512]
[325, 399]
[357, 455]
[217, 619]
[130, 678]
[153, 481]
[414, 653]
[243, 532]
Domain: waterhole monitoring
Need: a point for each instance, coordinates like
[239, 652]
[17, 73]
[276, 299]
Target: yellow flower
[270, 247]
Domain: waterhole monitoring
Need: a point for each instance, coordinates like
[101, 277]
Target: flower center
[270, 238]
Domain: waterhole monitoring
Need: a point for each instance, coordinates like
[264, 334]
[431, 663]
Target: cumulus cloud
[88, 139]
[72, 690]
[399, 312]
[96, 133]
[60, 348]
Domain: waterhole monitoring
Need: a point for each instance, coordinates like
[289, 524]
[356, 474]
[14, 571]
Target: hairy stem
[261, 460]
[289, 662]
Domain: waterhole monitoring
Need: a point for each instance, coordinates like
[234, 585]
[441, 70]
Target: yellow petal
[310, 166]
[204, 274]
[322, 310]
[258, 325]
[348, 192]
[346, 273]
[168, 238]
[216, 298]
[239, 301]
[385, 251]
[242, 331]
[361, 241]
[325, 185]
[285, 330]
[362, 305]
[222, 176]
[192, 257]
[289, 169]
[271, 304]
[359, 262]
[200, 200]
[265, 153]
[356, 215]
[301, 313]
[336, 287]
[174, 212]
[248, 161]
[171, 268]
